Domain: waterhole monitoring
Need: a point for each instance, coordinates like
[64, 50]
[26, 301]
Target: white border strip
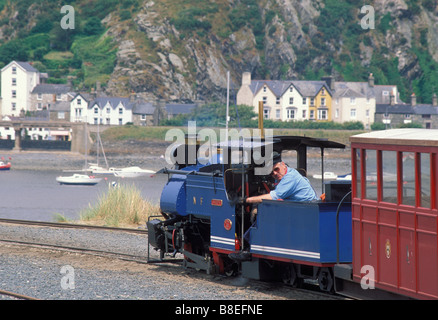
[221, 240]
[289, 252]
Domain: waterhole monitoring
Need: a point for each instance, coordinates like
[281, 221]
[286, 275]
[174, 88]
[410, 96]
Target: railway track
[103, 253]
[70, 225]
[16, 295]
[91, 251]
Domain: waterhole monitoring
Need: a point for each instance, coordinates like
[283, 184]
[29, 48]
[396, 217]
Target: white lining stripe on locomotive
[289, 252]
[221, 240]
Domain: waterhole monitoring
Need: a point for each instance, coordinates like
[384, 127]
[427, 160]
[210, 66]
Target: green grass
[120, 206]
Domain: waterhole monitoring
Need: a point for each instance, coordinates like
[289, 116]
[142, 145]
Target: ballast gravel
[50, 274]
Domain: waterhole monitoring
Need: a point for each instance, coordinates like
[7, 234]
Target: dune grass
[120, 206]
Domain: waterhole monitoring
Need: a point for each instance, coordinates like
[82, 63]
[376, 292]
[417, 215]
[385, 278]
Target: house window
[120, 110]
[61, 115]
[14, 93]
[96, 110]
[290, 113]
[353, 113]
[337, 113]
[14, 81]
[14, 70]
[291, 100]
[95, 121]
[352, 100]
[312, 101]
[14, 106]
[322, 101]
[312, 114]
[266, 113]
[277, 113]
[39, 106]
[264, 89]
[265, 99]
[143, 117]
[304, 114]
[367, 113]
[323, 91]
[58, 97]
[108, 110]
[304, 100]
[277, 101]
[322, 114]
[78, 102]
[39, 96]
[291, 89]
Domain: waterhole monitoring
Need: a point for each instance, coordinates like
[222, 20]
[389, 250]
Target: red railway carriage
[394, 210]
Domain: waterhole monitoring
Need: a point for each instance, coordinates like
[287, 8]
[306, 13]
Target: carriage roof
[408, 136]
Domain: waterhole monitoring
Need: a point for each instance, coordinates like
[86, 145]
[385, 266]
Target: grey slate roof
[179, 108]
[142, 107]
[61, 106]
[306, 88]
[26, 66]
[113, 101]
[406, 109]
[51, 88]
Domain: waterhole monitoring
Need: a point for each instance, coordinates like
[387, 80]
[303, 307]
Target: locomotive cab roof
[284, 143]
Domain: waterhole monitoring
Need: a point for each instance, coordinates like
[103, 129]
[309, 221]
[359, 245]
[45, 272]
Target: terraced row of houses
[325, 100]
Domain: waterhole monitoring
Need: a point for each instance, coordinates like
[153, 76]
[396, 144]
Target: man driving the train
[290, 185]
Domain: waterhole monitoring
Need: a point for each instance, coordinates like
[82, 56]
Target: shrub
[121, 205]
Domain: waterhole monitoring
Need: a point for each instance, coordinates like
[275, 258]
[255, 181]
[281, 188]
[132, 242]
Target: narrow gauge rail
[16, 295]
[70, 225]
[108, 254]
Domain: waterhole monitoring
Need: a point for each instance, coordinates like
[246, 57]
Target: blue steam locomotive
[203, 219]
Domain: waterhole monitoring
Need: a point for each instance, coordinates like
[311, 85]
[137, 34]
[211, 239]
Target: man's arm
[258, 199]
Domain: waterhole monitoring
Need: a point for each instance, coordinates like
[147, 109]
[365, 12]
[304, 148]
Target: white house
[110, 111]
[102, 110]
[18, 79]
[356, 101]
[79, 107]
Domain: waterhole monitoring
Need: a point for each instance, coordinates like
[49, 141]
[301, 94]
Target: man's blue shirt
[293, 186]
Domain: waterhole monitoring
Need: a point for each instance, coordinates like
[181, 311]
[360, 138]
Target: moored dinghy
[79, 179]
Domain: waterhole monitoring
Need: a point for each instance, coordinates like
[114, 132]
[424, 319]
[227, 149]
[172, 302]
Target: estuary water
[36, 195]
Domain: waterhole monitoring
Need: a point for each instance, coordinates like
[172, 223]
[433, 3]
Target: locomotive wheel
[290, 277]
[325, 280]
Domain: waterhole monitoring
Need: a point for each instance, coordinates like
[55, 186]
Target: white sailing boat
[78, 179]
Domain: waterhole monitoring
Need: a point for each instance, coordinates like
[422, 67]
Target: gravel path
[43, 273]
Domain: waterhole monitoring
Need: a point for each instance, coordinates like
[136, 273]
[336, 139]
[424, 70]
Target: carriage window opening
[425, 180]
[389, 176]
[358, 174]
[370, 175]
[408, 182]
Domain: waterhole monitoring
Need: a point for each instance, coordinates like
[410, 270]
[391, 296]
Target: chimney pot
[371, 80]
[413, 99]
